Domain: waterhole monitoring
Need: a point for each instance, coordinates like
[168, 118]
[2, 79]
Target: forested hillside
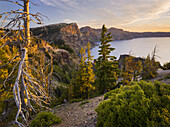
[48, 76]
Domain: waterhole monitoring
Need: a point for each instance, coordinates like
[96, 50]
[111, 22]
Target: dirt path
[161, 76]
[74, 115]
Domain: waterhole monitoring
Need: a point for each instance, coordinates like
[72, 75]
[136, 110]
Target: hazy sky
[131, 15]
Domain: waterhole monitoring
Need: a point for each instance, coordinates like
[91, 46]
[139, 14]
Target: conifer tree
[81, 86]
[126, 72]
[131, 70]
[90, 74]
[78, 85]
[106, 65]
[150, 66]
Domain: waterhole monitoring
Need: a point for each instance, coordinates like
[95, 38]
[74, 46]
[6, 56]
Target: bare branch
[16, 90]
[34, 3]
[13, 2]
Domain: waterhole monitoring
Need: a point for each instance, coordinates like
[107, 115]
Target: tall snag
[27, 88]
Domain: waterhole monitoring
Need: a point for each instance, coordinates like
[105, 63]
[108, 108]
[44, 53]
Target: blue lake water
[140, 47]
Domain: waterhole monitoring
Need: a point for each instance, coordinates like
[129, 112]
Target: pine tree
[126, 73]
[131, 70]
[90, 74]
[78, 85]
[150, 66]
[106, 65]
[81, 86]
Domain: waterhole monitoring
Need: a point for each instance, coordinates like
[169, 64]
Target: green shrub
[45, 119]
[166, 66]
[84, 102]
[167, 77]
[141, 104]
[75, 100]
[67, 47]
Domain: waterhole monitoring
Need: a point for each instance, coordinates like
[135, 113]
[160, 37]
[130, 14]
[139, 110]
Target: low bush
[167, 77]
[141, 104]
[45, 119]
[166, 66]
[75, 100]
[84, 102]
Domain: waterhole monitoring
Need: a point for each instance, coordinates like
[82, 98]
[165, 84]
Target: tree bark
[27, 22]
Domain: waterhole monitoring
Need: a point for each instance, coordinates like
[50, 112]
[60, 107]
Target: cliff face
[94, 34]
[119, 34]
[72, 36]
[151, 34]
[65, 35]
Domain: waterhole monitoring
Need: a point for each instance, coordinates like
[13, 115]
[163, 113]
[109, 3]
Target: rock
[62, 34]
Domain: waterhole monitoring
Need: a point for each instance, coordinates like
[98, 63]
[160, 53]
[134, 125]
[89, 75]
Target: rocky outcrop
[119, 34]
[94, 34]
[62, 35]
[150, 34]
[124, 56]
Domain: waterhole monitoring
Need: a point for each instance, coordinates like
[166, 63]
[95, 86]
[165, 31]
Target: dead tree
[26, 87]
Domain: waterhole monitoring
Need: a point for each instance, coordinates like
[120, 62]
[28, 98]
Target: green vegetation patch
[141, 104]
[167, 77]
[166, 66]
[62, 45]
[75, 100]
[45, 119]
[84, 102]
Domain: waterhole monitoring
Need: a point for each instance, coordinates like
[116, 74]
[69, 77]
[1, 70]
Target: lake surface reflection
[140, 47]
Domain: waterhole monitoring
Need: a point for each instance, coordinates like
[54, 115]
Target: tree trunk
[23, 105]
[27, 22]
[27, 42]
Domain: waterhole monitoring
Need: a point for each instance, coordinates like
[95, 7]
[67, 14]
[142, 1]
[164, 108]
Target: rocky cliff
[119, 34]
[62, 35]
[94, 34]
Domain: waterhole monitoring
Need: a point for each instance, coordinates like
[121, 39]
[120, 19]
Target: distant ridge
[75, 37]
[120, 34]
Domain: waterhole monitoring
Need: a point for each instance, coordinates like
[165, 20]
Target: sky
[130, 15]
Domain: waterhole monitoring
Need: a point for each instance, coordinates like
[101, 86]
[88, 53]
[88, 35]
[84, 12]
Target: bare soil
[75, 115]
[161, 76]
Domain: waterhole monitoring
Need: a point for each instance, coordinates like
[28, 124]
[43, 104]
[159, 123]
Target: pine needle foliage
[141, 104]
[106, 65]
[131, 70]
[45, 119]
[81, 87]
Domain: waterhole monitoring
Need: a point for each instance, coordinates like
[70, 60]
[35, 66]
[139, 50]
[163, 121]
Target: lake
[140, 47]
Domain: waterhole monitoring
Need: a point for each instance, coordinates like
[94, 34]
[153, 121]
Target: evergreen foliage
[45, 119]
[78, 85]
[150, 68]
[141, 104]
[131, 70]
[166, 66]
[106, 65]
[7, 54]
[81, 87]
[90, 77]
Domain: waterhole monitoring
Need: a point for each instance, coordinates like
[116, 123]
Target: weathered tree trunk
[27, 42]
[23, 105]
[27, 22]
